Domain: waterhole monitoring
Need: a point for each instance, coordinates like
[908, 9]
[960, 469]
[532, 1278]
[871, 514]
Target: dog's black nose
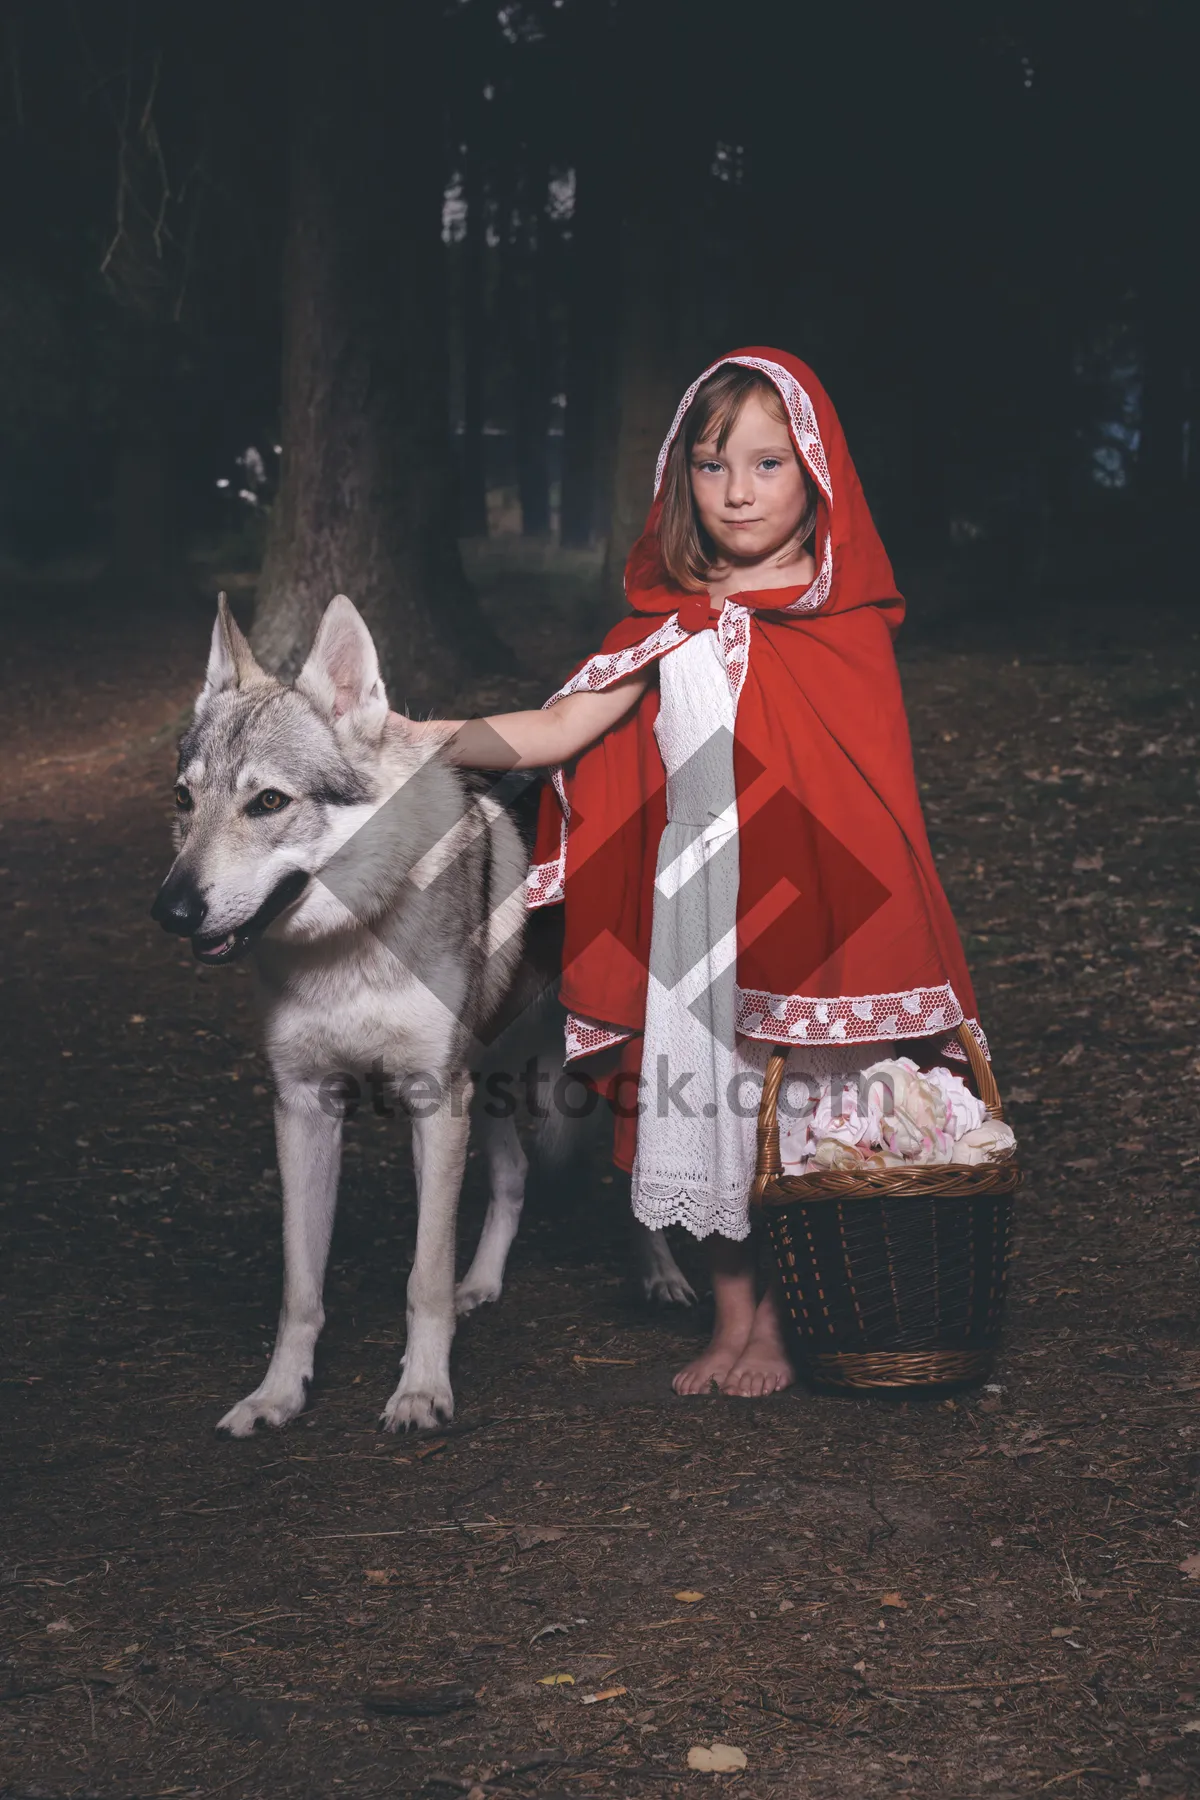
[179, 906]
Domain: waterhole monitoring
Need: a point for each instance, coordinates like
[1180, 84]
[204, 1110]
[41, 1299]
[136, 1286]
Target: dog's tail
[557, 1134]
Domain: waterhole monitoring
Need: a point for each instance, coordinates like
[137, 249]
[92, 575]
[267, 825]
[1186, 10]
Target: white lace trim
[818, 593]
[690, 1204]
[733, 631]
[602, 671]
[799, 1019]
[952, 1047]
[801, 415]
[545, 884]
[586, 1037]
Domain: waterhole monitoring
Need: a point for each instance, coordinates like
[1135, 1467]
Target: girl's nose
[739, 491]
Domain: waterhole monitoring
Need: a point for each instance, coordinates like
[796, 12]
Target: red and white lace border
[798, 1019]
[864, 1018]
[587, 1037]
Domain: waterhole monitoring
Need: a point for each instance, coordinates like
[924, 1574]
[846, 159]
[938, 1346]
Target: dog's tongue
[214, 949]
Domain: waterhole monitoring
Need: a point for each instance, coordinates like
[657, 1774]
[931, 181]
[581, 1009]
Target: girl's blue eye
[707, 468]
[771, 462]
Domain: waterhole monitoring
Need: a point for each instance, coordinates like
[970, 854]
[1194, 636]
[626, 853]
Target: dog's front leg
[309, 1145]
[660, 1276]
[424, 1397]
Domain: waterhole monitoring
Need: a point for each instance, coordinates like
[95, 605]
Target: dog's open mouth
[227, 946]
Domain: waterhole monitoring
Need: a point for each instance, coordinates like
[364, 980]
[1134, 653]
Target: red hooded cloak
[844, 932]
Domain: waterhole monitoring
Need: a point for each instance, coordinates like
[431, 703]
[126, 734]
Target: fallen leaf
[721, 1759]
[527, 1537]
[860, 1668]
[424, 1450]
[995, 1543]
[377, 1577]
[894, 1600]
[1190, 1725]
[60, 1625]
[418, 1701]
[1190, 1566]
[1060, 1631]
[556, 1681]
[1070, 1057]
[547, 1631]
[689, 1596]
[604, 1694]
[787, 1606]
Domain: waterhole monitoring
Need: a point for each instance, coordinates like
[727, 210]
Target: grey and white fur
[380, 892]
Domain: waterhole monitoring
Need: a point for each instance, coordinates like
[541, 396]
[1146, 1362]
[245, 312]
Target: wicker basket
[894, 1278]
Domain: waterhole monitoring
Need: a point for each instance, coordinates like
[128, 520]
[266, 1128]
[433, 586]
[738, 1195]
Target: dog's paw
[265, 1406]
[472, 1293]
[417, 1410]
[668, 1288]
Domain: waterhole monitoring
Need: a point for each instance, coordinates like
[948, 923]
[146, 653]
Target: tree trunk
[473, 494]
[594, 280]
[367, 499]
[1168, 282]
[1162, 454]
[526, 289]
[662, 176]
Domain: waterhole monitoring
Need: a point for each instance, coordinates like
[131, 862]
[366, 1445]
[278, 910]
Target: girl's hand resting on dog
[528, 740]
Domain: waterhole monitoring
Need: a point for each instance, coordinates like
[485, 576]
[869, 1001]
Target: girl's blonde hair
[686, 549]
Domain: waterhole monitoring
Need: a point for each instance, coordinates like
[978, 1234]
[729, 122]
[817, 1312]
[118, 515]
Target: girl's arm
[529, 740]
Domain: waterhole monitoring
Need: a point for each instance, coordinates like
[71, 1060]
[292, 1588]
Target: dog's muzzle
[179, 907]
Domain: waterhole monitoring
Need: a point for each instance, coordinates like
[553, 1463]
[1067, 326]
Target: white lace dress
[700, 1082]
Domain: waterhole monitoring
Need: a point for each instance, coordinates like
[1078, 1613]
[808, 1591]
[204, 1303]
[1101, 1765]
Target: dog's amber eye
[269, 801]
[183, 798]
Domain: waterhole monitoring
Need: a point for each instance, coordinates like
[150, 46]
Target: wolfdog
[380, 891]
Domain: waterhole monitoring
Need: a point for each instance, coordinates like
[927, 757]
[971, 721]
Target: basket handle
[981, 1069]
[769, 1165]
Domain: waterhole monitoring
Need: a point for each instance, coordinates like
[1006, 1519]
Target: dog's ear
[231, 661]
[341, 676]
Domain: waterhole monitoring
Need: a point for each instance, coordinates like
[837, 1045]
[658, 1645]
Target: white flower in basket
[894, 1115]
[832, 1154]
[989, 1142]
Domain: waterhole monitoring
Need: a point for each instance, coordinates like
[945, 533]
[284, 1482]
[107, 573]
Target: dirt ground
[978, 1597]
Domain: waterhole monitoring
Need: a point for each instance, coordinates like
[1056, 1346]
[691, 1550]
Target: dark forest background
[337, 287]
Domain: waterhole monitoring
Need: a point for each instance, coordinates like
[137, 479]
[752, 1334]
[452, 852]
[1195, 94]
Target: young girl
[734, 825]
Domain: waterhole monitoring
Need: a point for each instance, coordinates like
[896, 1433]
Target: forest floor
[976, 1597]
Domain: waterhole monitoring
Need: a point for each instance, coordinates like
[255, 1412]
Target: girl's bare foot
[716, 1362]
[732, 1269]
[764, 1366]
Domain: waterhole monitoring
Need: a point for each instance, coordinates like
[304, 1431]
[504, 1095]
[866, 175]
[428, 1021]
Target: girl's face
[751, 497]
